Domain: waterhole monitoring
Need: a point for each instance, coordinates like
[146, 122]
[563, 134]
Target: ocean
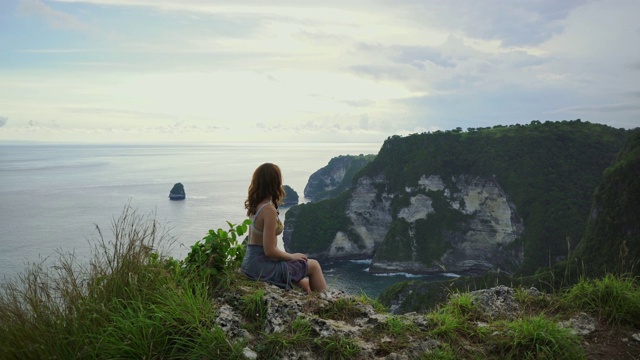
[54, 196]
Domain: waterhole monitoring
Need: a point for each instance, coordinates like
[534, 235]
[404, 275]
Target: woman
[263, 260]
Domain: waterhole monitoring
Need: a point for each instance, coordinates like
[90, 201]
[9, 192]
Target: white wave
[364, 261]
[407, 275]
[452, 275]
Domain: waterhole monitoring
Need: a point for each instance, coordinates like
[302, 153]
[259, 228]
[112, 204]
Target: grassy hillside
[131, 302]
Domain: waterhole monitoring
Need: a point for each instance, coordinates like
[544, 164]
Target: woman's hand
[299, 256]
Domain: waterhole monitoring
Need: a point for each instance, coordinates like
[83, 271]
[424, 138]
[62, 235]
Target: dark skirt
[258, 266]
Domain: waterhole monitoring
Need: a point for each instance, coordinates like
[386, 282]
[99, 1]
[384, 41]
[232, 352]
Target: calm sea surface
[54, 196]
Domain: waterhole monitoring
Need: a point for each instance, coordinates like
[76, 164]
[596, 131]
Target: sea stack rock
[177, 192]
[291, 198]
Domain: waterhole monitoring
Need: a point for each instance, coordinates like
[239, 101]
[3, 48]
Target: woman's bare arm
[270, 240]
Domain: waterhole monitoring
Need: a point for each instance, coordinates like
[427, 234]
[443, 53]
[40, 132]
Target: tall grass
[299, 337]
[127, 300]
[538, 337]
[254, 308]
[343, 309]
[615, 299]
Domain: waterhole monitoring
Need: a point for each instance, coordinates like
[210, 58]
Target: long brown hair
[266, 183]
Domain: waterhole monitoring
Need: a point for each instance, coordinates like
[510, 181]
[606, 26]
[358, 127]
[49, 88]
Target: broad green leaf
[241, 229]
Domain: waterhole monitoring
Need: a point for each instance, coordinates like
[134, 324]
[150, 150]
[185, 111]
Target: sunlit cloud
[330, 71]
[54, 18]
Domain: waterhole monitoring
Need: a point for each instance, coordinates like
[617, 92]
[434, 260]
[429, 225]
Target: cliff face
[501, 197]
[369, 215]
[476, 226]
[612, 240]
[335, 177]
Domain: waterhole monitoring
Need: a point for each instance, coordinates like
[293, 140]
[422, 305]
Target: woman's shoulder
[266, 208]
[269, 208]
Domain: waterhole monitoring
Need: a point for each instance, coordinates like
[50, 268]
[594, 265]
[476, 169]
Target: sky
[301, 71]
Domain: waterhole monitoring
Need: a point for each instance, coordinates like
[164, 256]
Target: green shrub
[218, 251]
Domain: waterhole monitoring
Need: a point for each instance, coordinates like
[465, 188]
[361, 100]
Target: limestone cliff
[504, 198]
[467, 225]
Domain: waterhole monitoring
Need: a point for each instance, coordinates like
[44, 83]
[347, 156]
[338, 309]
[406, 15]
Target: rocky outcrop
[331, 316]
[334, 178]
[581, 324]
[293, 325]
[291, 198]
[177, 192]
[497, 303]
[370, 215]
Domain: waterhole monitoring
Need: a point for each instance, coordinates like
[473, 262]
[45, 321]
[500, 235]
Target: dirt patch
[612, 343]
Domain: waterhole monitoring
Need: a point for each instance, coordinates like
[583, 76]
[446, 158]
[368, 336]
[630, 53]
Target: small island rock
[177, 192]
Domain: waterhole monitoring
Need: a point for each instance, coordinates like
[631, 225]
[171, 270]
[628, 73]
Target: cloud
[304, 68]
[605, 108]
[358, 103]
[117, 113]
[633, 94]
[417, 56]
[513, 23]
[522, 23]
[54, 18]
[635, 66]
[3, 120]
[454, 65]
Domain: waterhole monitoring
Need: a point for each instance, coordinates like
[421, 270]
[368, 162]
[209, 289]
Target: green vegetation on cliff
[335, 178]
[399, 235]
[322, 219]
[549, 170]
[291, 197]
[398, 243]
[611, 241]
[611, 245]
